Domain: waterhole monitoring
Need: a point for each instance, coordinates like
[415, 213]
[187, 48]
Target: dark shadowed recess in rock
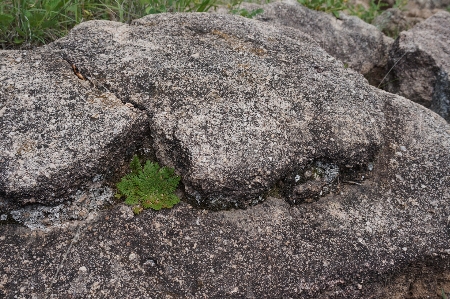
[441, 96]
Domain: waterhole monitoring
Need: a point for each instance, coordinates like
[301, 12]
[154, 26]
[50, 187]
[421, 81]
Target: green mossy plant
[148, 186]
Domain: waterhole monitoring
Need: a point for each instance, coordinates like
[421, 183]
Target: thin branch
[391, 69]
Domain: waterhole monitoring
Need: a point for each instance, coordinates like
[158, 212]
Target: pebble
[132, 256]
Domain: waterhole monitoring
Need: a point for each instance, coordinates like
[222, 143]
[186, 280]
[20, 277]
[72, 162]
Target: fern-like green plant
[148, 186]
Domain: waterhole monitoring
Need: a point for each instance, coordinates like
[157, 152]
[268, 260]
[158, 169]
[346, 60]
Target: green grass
[148, 186]
[367, 14]
[329, 6]
[29, 23]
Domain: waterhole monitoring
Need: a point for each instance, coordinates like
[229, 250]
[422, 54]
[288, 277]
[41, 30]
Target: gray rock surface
[359, 45]
[235, 105]
[240, 109]
[420, 62]
[57, 132]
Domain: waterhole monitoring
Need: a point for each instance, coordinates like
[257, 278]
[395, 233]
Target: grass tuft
[376, 7]
[329, 6]
[30, 23]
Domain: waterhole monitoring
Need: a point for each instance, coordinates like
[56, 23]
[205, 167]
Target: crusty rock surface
[240, 109]
[235, 105]
[359, 45]
[420, 62]
[57, 132]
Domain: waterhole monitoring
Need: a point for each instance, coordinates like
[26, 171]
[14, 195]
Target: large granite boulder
[359, 45]
[235, 106]
[420, 63]
[240, 109]
[58, 132]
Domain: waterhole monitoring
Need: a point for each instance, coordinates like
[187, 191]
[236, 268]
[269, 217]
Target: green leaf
[18, 41]
[135, 165]
[204, 6]
[53, 5]
[6, 20]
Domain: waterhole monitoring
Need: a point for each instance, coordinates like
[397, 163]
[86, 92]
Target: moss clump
[148, 186]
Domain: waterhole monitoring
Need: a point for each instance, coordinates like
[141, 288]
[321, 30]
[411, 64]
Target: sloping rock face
[235, 106]
[56, 131]
[420, 62]
[359, 45]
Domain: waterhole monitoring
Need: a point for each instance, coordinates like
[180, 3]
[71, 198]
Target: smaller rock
[82, 269]
[391, 22]
[420, 63]
[428, 4]
[150, 263]
[132, 256]
[359, 45]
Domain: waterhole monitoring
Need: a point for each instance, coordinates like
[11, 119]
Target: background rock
[391, 22]
[429, 4]
[359, 45]
[422, 64]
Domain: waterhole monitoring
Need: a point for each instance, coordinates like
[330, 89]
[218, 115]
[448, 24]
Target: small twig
[352, 182]
[64, 257]
[391, 69]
